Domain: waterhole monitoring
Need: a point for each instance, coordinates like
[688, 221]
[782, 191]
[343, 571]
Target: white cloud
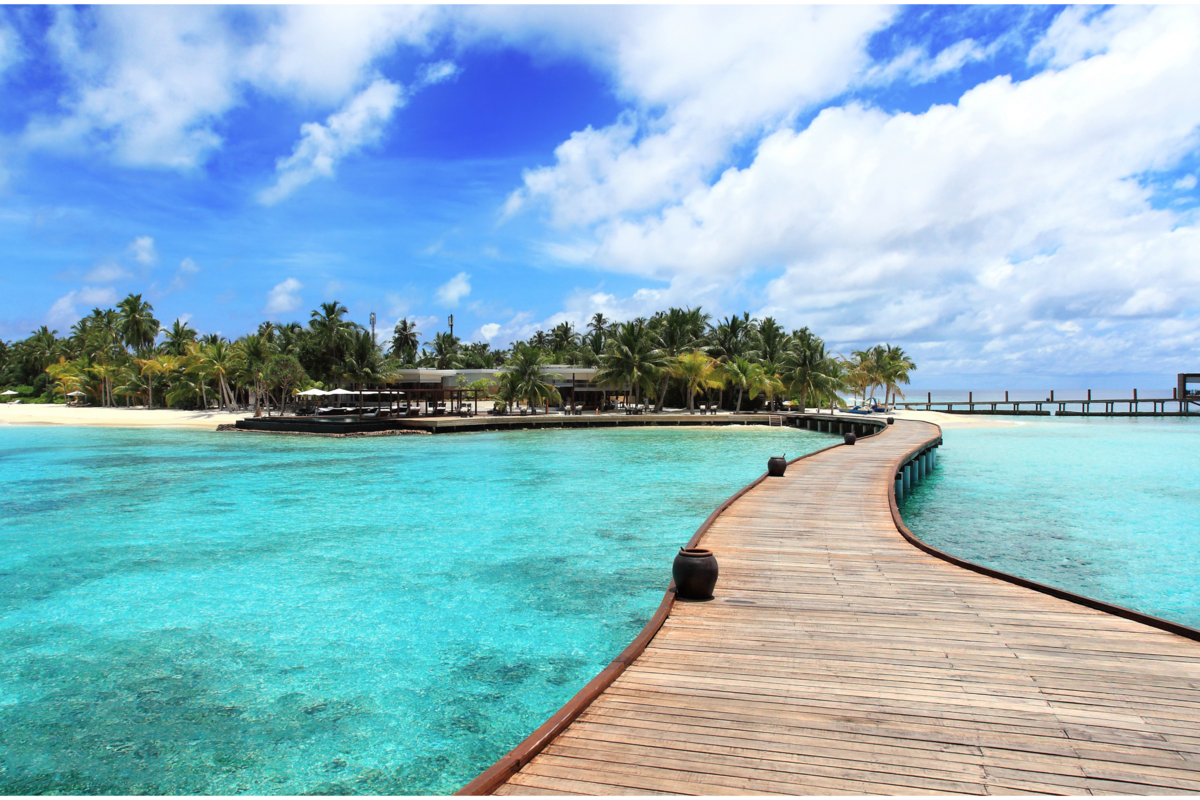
[284, 297]
[915, 66]
[106, 272]
[149, 85]
[700, 79]
[454, 290]
[142, 250]
[1186, 182]
[360, 123]
[437, 72]
[11, 50]
[489, 331]
[187, 268]
[65, 311]
[971, 223]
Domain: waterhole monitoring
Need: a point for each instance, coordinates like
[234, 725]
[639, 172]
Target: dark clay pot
[776, 466]
[891, 420]
[695, 573]
[849, 438]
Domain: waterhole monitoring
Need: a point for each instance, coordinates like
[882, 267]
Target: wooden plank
[837, 658]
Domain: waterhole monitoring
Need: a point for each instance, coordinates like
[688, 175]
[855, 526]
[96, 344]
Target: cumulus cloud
[106, 272]
[454, 290]
[142, 250]
[489, 331]
[65, 311]
[284, 297]
[358, 124]
[188, 267]
[149, 85]
[699, 79]
[1186, 182]
[981, 224]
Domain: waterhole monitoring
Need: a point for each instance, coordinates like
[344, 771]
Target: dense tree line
[114, 356]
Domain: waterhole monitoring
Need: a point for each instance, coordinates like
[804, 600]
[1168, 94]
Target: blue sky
[1008, 192]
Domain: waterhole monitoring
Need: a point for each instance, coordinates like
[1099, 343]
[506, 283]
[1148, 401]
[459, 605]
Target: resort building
[576, 384]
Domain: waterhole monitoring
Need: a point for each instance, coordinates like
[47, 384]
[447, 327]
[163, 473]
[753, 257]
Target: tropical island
[123, 356]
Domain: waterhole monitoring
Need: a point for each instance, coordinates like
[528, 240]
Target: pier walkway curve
[837, 657]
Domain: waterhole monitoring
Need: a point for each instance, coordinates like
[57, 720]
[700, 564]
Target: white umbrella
[76, 394]
[312, 393]
[340, 391]
[8, 391]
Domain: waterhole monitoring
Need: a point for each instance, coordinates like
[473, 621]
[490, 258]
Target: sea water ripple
[200, 613]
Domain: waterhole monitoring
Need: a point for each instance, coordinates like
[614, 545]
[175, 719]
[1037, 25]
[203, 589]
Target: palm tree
[148, 368]
[808, 371]
[747, 377]
[68, 375]
[540, 340]
[290, 338]
[218, 359]
[446, 351]
[178, 338]
[138, 325]
[772, 340]
[563, 338]
[330, 334]
[478, 355]
[364, 363]
[598, 328]
[405, 341]
[731, 338]
[896, 368]
[697, 370]
[525, 378]
[678, 333]
[631, 359]
[253, 356]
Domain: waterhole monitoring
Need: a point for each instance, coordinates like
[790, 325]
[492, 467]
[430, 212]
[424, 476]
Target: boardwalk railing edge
[1061, 594]
[491, 778]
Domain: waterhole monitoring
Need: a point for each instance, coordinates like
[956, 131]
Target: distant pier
[1183, 402]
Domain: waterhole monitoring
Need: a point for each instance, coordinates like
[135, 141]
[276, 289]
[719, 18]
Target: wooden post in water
[1006, 395]
[1051, 395]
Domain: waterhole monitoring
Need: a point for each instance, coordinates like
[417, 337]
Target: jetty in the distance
[1184, 401]
[842, 655]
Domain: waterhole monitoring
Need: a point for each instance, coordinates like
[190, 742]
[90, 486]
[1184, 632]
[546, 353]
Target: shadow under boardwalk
[839, 658]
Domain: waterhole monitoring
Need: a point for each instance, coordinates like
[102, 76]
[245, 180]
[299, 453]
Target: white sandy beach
[209, 420]
[951, 421]
[116, 417]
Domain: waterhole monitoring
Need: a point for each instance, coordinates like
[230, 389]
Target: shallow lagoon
[1107, 508]
[200, 613]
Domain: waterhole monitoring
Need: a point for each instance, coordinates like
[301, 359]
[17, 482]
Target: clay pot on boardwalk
[849, 437]
[891, 420]
[695, 573]
[776, 466]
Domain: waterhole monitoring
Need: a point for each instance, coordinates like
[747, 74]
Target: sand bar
[138, 417]
[141, 417]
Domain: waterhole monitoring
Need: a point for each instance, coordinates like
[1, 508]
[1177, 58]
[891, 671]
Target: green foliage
[673, 355]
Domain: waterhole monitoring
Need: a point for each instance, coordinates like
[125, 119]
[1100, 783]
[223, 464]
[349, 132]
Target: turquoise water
[201, 613]
[1109, 509]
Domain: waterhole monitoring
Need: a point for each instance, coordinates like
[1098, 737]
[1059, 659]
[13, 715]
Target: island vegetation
[123, 356]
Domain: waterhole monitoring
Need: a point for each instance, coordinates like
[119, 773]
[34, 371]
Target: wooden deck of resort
[839, 658]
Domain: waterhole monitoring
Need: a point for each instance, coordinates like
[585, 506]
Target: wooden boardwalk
[838, 658]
